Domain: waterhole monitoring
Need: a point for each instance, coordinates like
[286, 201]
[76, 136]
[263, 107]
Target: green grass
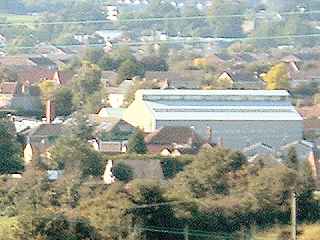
[13, 18]
[308, 232]
[7, 225]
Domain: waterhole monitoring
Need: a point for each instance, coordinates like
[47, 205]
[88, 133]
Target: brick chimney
[50, 111]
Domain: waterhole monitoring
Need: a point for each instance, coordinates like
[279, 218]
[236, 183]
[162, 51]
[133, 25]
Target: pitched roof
[309, 111]
[108, 124]
[243, 76]
[110, 146]
[291, 58]
[16, 61]
[150, 169]
[33, 75]
[8, 87]
[45, 130]
[170, 135]
[189, 79]
[258, 149]
[42, 61]
[309, 74]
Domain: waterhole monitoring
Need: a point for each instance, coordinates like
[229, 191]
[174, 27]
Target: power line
[157, 19]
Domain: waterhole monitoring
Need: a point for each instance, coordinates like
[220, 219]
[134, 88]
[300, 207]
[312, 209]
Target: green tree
[123, 172]
[129, 69]
[87, 82]
[10, 151]
[227, 27]
[154, 63]
[136, 143]
[58, 226]
[93, 55]
[63, 100]
[70, 153]
[80, 127]
[292, 160]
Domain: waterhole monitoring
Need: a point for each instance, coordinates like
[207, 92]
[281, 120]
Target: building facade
[234, 118]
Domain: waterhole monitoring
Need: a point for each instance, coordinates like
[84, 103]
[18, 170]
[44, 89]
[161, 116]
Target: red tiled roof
[8, 87]
[15, 61]
[33, 75]
[310, 111]
[170, 135]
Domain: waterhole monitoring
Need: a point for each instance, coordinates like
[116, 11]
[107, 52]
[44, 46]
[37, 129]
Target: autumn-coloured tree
[277, 77]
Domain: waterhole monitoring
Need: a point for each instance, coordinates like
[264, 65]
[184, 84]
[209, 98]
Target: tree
[80, 127]
[136, 143]
[10, 151]
[227, 27]
[93, 55]
[47, 89]
[277, 77]
[154, 63]
[70, 153]
[129, 69]
[87, 82]
[63, 101]
[139, 85]
[292, 159]
[123, 172]
[58, 226]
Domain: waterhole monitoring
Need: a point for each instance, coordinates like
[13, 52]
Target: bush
[123, 172]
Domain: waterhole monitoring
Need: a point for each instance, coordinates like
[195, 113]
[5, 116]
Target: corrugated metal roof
[278, 93]
[228, 116]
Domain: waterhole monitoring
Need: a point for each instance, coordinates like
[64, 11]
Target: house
[258, 149]
[32, 75]
[293, 62]
[40, 139]
[44, 62]
[109, 146]
[8, 90]
[111, 35]
[304, 77]
[111, 113]
[63, 77]
[241, 80]
[239, 118]
[168, 140]
[302, 147]
[185, 79]
[16, 61]
[309, 112]
[112, 129]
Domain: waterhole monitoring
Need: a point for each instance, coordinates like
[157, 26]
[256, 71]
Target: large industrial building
[236, 118]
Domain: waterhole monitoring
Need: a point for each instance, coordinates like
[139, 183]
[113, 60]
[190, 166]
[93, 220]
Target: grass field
[7, 225]
[18, 18]
[308, 232]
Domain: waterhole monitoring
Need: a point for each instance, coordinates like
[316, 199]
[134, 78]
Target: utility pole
[293, 216]
[186, 233]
